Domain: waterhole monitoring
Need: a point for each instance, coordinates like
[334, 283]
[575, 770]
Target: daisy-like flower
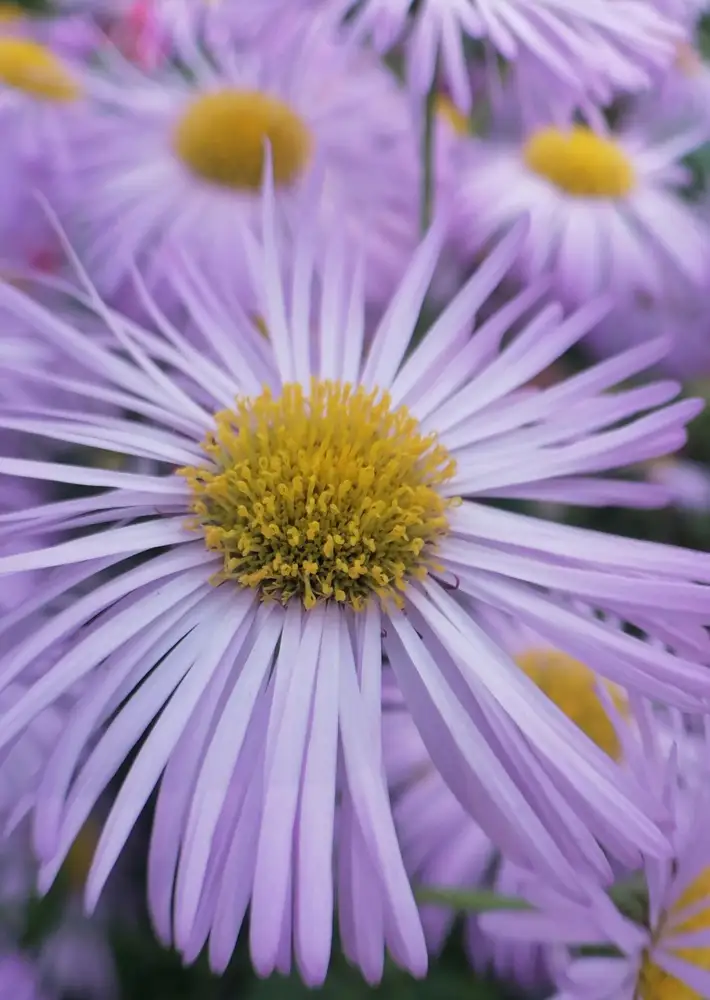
[603, 212]
[664, 956]
[172, 162]
[309, 518]
[590, 48]
[39, 96]
[444, 847]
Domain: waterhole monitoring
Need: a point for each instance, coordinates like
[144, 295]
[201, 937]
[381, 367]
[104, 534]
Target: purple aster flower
[39, 101]
[174, 162]
[585, 48]
[444, 847]
[604, 215]
[667, 957]
[320, 504]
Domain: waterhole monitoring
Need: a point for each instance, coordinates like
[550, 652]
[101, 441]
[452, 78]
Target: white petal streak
[79, 475]
[215, 639]
[466, 761]
[295, 675]
[395, 330]
[364, 775]
[85, 655]
[313, 888]
[218, 767]
[124, 670]
[552, 734]
[604, 588]
[114, 541]
[582, 544]
[457, 319]
[84, 608]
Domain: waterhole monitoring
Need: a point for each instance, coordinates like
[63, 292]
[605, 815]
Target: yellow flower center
[654, 982]
[25, 65]
[572, 687]
[580, 162]
[324, 495]
[450, 113]
[221, 138]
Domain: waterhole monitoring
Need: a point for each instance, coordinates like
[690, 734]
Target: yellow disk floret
[30, 67]
[573, 688]
[320, 495]
[221, 137]
[657, 984]
[580, 162]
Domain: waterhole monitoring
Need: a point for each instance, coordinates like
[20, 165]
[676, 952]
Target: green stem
[428, 152]
[471, 900]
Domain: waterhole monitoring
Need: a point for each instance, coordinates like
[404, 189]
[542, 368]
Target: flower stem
[428, 152]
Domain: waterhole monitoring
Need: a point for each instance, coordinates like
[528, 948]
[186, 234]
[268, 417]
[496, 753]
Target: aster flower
[591, 48]
[39, 96]
[604, 215]
[316, 485]
[445, 848]
[663, 956]
[172, 162]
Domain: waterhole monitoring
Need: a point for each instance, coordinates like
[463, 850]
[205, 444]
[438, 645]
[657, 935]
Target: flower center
[580, 162]
[27, 66]
[572, 687]
[221, 138]
[327, 495]
[654, 982]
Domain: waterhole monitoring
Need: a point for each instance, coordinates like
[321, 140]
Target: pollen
[657, 984]
[321, 495]
[32, 68]
[580, 162]
[573, 688]
[221, 138]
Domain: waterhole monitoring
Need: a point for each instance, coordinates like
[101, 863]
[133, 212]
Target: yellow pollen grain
[450, 113]
[221, 139]
[30, 67]
[580, 162]
[657, 984]
[572, 687]
[323, 495]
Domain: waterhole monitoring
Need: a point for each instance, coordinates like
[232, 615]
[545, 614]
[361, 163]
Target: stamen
[30, 67]
[580, 162]
[221, 138]
[331, 495]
